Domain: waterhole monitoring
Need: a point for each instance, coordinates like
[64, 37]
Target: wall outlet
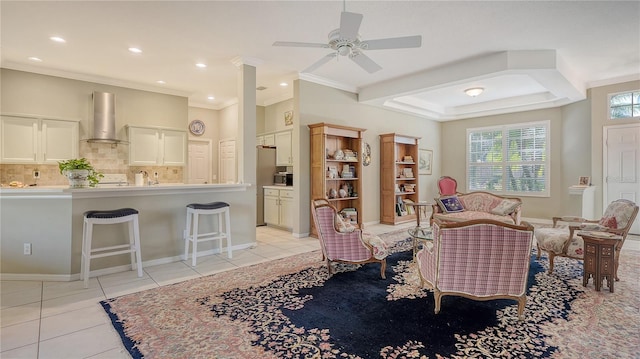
[27, 249]
[36, 174]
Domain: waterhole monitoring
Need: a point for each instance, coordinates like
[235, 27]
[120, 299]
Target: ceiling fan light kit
[345, 41]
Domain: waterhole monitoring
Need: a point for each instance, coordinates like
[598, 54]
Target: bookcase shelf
[398, 181]
[328, 140]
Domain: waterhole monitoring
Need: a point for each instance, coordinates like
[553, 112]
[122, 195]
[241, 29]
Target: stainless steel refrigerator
[265, 169]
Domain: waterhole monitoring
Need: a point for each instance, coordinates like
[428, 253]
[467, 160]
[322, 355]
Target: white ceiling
[526, 54]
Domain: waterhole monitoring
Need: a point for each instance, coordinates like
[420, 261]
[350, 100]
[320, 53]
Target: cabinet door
[269, 140]
[283, 149]
[19, 139]
[286, 208]
[259, 140]
[175, 148]
[271, 211]
[59, 140]
[144, 146]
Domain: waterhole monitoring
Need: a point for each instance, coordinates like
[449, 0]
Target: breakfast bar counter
[49, 219]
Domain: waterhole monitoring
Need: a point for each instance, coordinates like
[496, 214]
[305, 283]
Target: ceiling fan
[346, 41]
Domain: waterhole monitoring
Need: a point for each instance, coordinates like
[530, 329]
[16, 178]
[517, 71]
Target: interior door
[228, 167]
[199, 165]
[622, 165]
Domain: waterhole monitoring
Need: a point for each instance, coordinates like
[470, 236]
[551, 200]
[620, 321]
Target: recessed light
[57, 39]
[135, 50]
[474, 91]
[201, 65]
[211, 98]
[36, 59]
[284, 84]
[161, 82]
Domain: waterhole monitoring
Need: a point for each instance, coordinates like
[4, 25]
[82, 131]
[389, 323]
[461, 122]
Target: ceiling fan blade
[299, 44]
[349, 25]
[365, 62]
[320, 62]
[393, 43]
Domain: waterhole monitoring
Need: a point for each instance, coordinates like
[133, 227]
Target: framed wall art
[288, 118]
[425, 161]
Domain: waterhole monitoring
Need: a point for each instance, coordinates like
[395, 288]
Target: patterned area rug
[290, 308]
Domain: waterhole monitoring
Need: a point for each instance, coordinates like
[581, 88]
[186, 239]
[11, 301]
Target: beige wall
[318, 103]
[599, 119]
[29, 93]
[274, 116]
[454, 155]
[576, 148]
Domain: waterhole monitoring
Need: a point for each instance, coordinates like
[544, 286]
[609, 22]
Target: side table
[423, 234]
[420, 208]
[599, 259]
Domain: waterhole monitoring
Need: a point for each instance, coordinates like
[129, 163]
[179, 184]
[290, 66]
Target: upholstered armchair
[564, 242]
[480, 259]
[343, 242]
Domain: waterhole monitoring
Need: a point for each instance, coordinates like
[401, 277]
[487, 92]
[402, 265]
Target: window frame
[504, 163]
[609, 106]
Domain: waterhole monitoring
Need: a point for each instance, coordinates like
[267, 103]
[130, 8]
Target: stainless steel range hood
[103, 125]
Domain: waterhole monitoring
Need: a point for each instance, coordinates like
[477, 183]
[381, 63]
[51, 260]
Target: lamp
[474, 91]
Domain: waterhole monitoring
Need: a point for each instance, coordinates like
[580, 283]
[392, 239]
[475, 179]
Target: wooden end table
[599, 260]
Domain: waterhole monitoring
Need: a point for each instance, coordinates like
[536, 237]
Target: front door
[622, 165]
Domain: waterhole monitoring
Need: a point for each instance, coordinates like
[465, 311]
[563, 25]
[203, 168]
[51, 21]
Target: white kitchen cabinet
[157, 146]
[259, 140]
[269, 140]
[284, 155]
[37, 140]
[278, 207]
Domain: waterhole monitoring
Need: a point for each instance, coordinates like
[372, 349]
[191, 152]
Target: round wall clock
[196, 127]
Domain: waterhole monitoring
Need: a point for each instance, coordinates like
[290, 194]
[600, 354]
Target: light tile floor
[64, 320]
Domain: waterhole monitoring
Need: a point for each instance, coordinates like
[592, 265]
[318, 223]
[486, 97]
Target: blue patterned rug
[290, 308]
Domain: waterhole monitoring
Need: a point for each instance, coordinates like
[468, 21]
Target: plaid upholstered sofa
[477, 205]
[480, 259]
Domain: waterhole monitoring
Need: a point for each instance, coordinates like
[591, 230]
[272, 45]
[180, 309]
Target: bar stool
[121, 215]
[194, 210]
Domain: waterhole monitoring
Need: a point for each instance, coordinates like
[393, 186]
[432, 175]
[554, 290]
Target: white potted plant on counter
[79, 172]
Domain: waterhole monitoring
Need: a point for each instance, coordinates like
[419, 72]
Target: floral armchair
[563, 242]
[344, 243]
[480, 259]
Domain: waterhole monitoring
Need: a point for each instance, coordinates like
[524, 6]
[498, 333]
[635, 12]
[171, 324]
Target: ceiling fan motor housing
[343, 46]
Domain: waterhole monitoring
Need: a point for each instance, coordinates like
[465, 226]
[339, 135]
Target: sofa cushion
[343, 226]
[470, 215]
[450, 204]
[479, 201]
[505, 207]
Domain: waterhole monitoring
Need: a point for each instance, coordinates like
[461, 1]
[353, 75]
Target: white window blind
[509, 160]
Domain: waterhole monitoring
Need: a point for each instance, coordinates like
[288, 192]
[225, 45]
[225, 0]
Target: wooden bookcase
[329, 169]
[398, 177]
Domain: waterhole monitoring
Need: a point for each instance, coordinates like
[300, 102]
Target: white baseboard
[110, 270]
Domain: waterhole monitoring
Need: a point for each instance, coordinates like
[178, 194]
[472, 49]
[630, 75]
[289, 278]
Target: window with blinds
[509, 160]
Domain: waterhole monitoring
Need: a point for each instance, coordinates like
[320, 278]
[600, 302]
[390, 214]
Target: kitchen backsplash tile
[105, 158]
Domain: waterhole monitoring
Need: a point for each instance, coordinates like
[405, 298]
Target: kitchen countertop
[96, 192]
[277, 187]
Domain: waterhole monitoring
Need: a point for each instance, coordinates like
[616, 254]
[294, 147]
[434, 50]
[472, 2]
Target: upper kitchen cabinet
[37, 140]
[151, 146]
[284, 154]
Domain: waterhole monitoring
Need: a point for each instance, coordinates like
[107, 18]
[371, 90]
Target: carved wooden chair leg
[383, 268]
[437, 295]
[538, 252]
[551, 258]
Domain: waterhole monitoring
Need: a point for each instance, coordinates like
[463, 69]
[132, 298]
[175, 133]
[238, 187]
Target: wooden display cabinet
[336, 168]
[398, 178]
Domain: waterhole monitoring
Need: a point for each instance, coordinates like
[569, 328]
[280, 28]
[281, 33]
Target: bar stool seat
[121, 215]
[191, 232]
